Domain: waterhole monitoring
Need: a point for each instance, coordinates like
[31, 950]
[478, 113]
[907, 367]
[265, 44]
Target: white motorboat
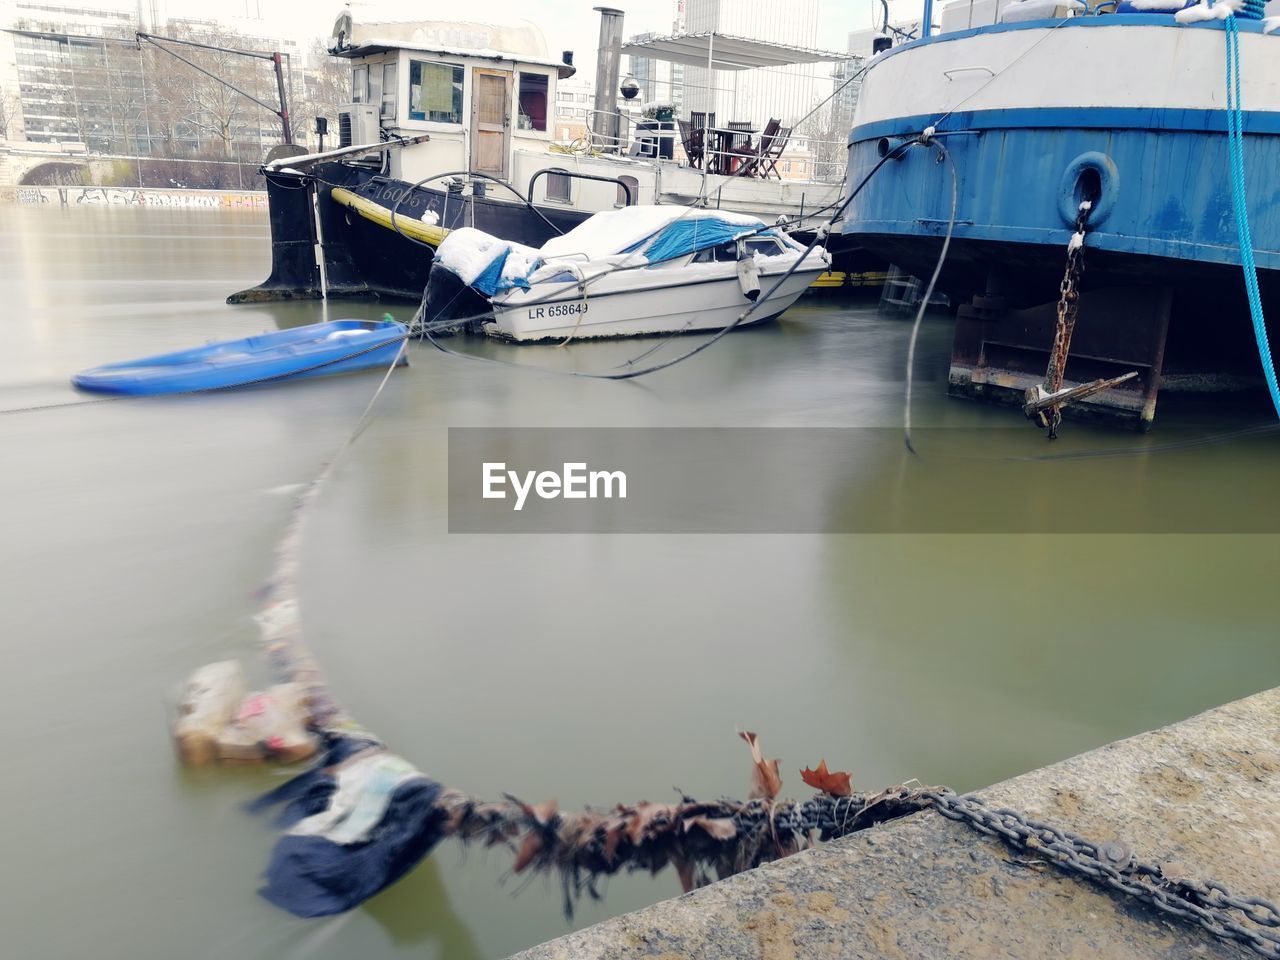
[630, 272]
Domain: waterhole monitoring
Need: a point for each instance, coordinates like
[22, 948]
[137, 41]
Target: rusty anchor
[1045, 401]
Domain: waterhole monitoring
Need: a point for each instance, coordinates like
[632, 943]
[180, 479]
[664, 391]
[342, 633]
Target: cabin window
[725, 253]
[765, 246]
[360, 84]
[389, 90]
[435, 91]
[634, 184]
[558, 187]
[533, 101]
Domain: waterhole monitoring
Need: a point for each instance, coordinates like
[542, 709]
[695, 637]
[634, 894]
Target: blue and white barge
[1122, 107]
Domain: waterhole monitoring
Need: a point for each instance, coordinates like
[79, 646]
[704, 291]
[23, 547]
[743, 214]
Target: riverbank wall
[1198, 797]
[135, 196]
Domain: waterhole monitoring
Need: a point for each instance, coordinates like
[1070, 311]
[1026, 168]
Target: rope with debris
[363, 817]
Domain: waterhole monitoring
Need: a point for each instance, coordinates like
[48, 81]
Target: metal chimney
[605, 122]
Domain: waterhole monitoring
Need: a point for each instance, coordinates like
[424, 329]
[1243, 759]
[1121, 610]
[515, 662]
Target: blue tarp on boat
[318, 349]
[691, 234]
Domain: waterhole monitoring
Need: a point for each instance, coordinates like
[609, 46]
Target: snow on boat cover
[627, 237]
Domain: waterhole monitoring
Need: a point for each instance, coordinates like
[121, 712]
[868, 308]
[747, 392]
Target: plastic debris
[358, 822]
[218, 721]
[271, 725]
[209, 701]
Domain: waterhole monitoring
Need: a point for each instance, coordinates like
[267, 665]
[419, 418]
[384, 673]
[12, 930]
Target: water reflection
[416, 911]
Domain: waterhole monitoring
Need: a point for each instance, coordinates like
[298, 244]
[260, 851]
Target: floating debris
[220, 722]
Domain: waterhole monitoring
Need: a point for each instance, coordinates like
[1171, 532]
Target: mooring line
[928, 295]
[57, 406]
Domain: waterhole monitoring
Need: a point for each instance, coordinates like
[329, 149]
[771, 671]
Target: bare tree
[202, 109]
[10, 114]
[829, 135]
[326, 86]
[167, 84]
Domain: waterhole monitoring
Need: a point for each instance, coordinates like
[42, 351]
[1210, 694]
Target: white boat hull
[650, 304]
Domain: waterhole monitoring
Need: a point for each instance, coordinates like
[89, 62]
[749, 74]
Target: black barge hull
[341, 212]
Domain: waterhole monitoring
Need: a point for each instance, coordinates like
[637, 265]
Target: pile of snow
[1023, 10]
[1209, 10]
[485, 262]
[1158, 6]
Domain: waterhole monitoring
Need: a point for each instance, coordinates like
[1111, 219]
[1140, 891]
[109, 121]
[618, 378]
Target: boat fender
[749, 277]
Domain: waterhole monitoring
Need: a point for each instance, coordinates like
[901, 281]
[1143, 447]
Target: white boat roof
[727, 52]
[521, 43]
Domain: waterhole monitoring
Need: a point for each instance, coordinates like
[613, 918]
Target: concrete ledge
[1204, 792]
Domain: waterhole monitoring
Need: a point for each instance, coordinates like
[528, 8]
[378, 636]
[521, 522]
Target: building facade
[77, 74]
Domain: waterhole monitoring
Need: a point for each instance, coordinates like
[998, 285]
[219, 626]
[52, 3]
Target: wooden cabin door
[491, 123]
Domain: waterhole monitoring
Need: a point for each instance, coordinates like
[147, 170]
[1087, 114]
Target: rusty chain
[1112, 864]
[1251, 921]
[1068, 311]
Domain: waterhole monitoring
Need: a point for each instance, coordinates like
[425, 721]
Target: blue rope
[1235, 149]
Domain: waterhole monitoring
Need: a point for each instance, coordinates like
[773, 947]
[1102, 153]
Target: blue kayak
[319, 349]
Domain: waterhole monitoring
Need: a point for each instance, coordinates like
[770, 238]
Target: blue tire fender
[1077, 174]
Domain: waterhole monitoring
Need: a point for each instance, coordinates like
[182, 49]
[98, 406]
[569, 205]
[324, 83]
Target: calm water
[592, 668]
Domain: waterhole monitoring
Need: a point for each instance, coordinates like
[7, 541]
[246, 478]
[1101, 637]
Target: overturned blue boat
[318, 349]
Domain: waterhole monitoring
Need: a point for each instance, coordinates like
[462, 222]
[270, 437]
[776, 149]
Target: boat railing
[641, 138]
[546, 172]
[824, 159]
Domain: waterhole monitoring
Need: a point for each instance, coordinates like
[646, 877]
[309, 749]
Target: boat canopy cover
[727, 52]
[631, 236]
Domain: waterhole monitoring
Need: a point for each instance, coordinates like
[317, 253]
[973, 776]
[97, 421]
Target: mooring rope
[928, 295]
[279, 615]
[1235, 150]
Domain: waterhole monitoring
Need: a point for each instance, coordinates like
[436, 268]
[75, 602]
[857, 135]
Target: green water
[592, 669]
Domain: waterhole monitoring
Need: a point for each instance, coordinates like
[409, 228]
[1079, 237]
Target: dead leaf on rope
[528, 850]
[837, 784]
[766, 782]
